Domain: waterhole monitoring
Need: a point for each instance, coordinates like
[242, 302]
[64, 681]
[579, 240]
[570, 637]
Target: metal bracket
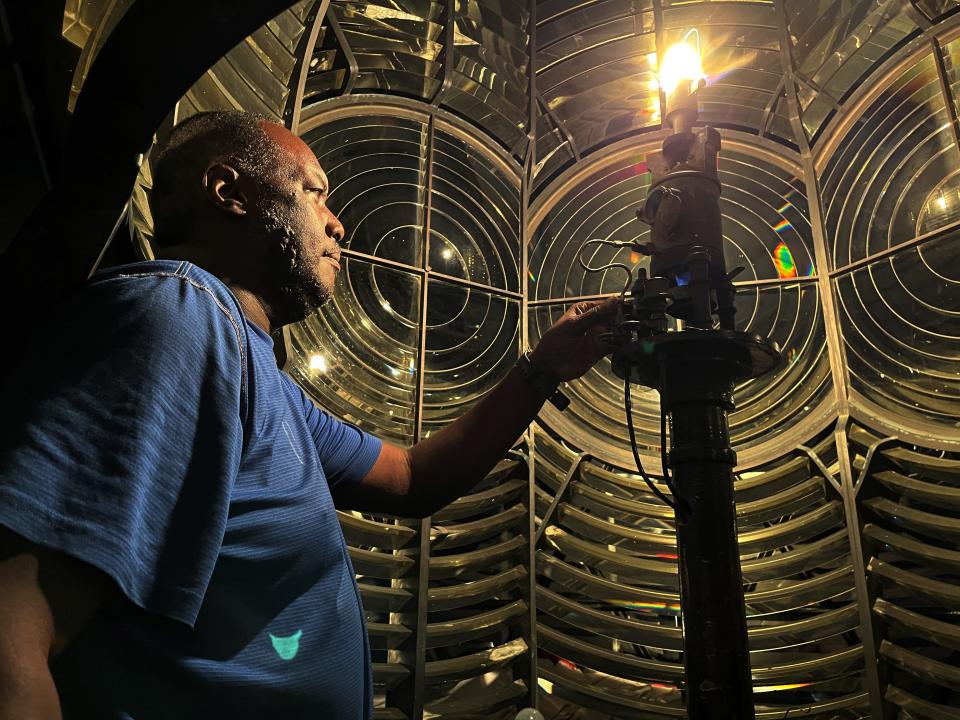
[871, 453]
[829, 476]
[559, 497]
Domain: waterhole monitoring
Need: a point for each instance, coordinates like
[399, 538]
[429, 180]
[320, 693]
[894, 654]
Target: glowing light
[287, 647]
[546, 685]
[774, 688]
[657, 607]
[446, 254]
[783, 259]
[318, 363]
[681, 63]
[942, 202]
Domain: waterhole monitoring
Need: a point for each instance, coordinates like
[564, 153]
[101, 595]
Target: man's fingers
[587, 314]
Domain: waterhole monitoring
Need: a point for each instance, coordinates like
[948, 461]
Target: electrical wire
[683, 508]
[608, 266]
[628, 406]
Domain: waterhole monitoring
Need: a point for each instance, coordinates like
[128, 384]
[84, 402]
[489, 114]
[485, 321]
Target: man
[169, 546]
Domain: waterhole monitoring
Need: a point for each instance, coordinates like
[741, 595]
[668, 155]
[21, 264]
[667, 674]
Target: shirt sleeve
[346, 452]
[124, 436]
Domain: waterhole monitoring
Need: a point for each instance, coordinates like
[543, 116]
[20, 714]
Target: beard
[296, 282]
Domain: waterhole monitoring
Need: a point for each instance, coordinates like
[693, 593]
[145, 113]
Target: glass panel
[553, 150]
[900, 318]
[357, 355]
[740, 51]
[603, 206]
[490, 84]
[791, 316]
[473, 339]
[765, 220]
[879, 184]
[382, 211]
[815, 108]
[933, 9]
[835, 44]
[396, 44]
[474, 216]
[595, 68]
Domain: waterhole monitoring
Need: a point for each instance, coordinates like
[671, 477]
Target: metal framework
[410, 696]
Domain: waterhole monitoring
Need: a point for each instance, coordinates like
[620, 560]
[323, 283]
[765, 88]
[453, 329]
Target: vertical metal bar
[526, 184]
[423, 581]
[946, 91]
[838, 369]
[450, 12]
[353, 68]
[410, 695]
[532, 671]
[532, 95]
[303, 69]
[864, 610]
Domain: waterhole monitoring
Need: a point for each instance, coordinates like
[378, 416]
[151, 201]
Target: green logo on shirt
[287, 647]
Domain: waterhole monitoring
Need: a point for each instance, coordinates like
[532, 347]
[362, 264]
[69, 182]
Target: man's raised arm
[439, 469]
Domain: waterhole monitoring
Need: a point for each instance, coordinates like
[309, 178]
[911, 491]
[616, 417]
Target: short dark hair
[229, 136]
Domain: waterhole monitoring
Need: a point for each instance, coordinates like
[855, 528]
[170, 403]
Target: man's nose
[334, 228]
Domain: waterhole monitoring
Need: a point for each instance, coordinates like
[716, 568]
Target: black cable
[628, 406]
[683, 508]
[664, 462]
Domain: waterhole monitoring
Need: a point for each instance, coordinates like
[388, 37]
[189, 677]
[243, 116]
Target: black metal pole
[697, 393]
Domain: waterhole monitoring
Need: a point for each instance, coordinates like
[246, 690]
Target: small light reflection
[318, 363]
[545, 685]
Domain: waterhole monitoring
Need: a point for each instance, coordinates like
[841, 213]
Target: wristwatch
[544, 385]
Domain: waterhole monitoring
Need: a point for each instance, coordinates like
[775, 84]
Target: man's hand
[572, 345]
[443, 466]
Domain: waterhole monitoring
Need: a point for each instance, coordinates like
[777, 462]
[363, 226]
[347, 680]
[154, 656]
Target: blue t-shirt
[150, 434]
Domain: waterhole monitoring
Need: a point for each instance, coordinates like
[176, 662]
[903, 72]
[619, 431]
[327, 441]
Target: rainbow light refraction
[783, 259]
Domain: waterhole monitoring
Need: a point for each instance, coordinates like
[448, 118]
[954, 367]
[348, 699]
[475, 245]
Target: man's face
[305, 257]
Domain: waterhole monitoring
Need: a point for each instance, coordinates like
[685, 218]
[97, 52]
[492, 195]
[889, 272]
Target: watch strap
[544, 385]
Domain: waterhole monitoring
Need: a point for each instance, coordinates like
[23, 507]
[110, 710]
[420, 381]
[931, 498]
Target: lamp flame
[681, 63]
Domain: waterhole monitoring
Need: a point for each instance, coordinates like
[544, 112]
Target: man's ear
[222, 186]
